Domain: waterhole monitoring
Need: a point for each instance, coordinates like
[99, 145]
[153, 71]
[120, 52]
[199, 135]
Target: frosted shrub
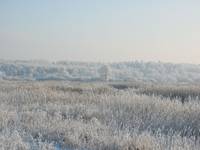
[46, 115]
[12, 141]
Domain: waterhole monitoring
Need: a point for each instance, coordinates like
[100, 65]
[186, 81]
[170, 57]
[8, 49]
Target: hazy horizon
[100, 31]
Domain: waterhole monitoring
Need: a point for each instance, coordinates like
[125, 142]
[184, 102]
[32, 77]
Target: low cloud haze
[94, 30]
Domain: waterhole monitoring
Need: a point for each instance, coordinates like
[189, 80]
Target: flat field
[98, 116]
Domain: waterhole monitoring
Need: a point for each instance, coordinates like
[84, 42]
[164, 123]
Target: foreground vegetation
[102, 116]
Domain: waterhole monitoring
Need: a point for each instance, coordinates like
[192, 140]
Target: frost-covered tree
[104, 72]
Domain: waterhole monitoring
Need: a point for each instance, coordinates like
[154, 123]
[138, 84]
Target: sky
[100, 30]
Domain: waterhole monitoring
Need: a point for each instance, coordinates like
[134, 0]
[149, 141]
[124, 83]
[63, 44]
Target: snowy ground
[98, 116]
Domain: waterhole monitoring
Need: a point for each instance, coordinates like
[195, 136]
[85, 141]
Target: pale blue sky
[100, 30]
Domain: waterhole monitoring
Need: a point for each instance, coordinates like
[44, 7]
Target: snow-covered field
[98, 115]
[80, 71]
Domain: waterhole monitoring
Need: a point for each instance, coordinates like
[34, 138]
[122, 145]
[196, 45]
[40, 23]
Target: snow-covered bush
[72, 115]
